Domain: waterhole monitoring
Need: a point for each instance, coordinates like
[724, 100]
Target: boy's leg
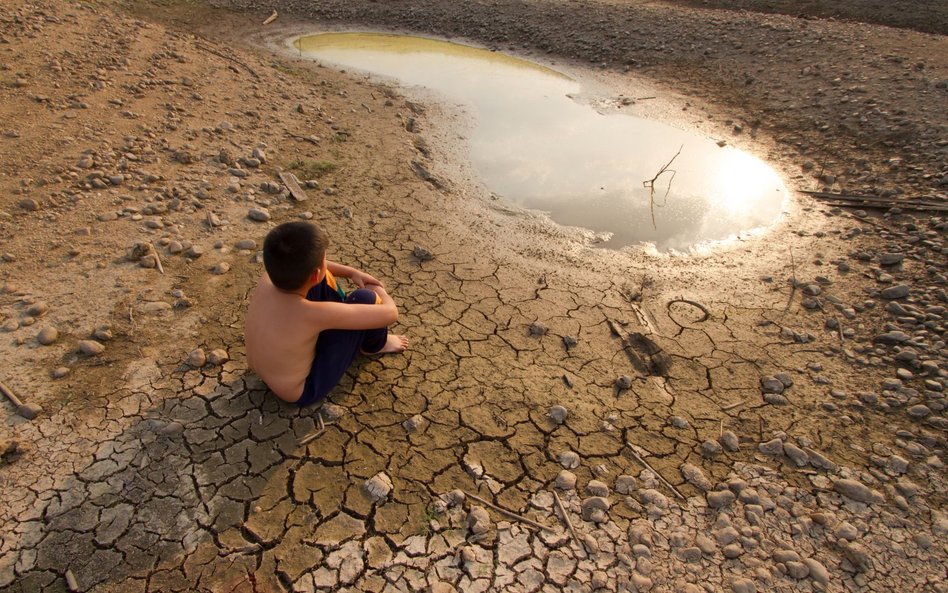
[373, 340]
[336, 349]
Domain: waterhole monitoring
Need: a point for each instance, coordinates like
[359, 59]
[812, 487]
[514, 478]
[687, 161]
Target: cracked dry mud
[787, 391]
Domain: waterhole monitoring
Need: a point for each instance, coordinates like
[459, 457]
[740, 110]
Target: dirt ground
[764, 416]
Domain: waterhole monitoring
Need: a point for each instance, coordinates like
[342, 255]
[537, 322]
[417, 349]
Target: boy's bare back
[280, 335]
[282, 327]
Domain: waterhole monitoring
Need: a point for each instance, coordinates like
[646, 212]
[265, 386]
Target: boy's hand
[361, 279]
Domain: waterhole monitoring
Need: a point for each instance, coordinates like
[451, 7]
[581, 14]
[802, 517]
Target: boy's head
[292, 252]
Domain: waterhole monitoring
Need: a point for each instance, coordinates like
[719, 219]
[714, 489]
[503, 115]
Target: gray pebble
[857, 491]
[895, 292]
[710, 448]
[558, 414]
[258, 214]
[771, 447]
[246, 244]
[623, 382]
[566, 480]
[538, 329]
[730, 441]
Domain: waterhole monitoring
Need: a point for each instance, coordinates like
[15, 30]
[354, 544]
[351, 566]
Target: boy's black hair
[292, 251]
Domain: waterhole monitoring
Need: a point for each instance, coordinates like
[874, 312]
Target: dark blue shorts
[336, 348]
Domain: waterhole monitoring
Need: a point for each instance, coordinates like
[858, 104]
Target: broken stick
[157, 259]
[730, 407]
[271, 18]
[566, 519]
[652, 469]
[311, 437]
[510, 514]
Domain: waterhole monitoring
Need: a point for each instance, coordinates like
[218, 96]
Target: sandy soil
[787, 390]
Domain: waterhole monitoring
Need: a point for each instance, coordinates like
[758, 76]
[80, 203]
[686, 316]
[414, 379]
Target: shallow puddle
[537, 147]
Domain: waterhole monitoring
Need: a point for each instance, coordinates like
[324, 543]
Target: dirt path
[789, 387]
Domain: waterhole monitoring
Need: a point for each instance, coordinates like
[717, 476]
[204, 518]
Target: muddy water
[537, 147]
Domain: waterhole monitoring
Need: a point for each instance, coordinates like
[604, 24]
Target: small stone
[416, 423]
[919, 411]
[732, 551]
[37, 309]
[695, 476]
[679, 422]
[246, 244]
[422, 254]
[332, 412]
[797, 455]
[570, 342]
[895, 292]
[378, 487]
[720, 499]
[743, 586]
[771, 385]
[91, 347]
[595, 508]
[48, 335]
[597, 488]
[730, 441]
[710, 448]
[60, 372]
[569, 459]
[258, 214]
[625, 484]
[857, 491]
[220, 268]
[217, 357]
[566, 480]
[197, 358]
[623, 382]
[538, 329]
[771, 447]
[890, 259]
[558, 414]
[797, 570]
[817, 572]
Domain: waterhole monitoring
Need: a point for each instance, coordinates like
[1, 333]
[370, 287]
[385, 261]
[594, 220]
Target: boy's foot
[394, 343]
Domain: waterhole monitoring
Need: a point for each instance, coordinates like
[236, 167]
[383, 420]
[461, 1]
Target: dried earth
[787, 390]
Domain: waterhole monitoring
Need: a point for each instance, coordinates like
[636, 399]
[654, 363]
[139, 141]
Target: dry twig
[271, 18]
[650, 184]
[652, 469]
[510, 514]
[730, 407]
[566, 519]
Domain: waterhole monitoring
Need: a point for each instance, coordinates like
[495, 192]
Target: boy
[302, 332]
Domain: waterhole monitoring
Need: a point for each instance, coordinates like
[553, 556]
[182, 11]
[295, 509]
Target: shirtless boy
[302, 332]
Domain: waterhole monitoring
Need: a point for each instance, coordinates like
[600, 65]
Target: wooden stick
[319, 418]
[730, 407]
[311, 437]
[157, 259]
[271, 18]
[10, 395]
[510, 514]
[569, 524]
[226, 57]
[652, 469]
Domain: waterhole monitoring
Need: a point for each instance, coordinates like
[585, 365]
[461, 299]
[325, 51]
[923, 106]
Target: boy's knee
[362, 296]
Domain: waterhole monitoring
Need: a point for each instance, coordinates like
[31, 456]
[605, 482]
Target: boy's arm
[355, 316]
[358, 277]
